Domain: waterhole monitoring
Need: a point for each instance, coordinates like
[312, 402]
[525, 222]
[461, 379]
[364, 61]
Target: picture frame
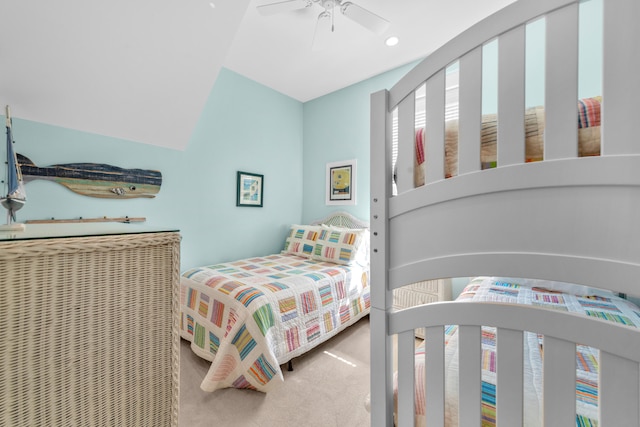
[250, 189]
[341, 183]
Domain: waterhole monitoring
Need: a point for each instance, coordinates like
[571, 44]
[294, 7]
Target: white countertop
[46, 231]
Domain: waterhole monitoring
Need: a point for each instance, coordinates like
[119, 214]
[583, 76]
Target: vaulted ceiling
[142, 70]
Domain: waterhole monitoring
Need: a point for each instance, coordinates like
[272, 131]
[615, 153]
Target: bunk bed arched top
[565, 218]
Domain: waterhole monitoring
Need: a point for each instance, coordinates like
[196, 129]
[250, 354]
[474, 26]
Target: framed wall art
[341, 183]
[250, 189]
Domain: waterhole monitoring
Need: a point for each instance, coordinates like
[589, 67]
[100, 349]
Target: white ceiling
[142, 70]
[277, 50]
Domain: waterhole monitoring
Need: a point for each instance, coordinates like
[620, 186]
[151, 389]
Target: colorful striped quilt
[250, 316]
[601, 304]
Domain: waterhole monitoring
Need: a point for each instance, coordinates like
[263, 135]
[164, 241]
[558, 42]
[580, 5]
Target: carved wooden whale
[96, 179]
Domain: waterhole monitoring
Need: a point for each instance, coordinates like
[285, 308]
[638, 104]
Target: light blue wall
[244, 126]
[336, 128]
[590, 49]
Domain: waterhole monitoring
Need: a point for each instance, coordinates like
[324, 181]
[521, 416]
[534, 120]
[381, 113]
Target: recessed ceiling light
[391, 41]
[213, 6]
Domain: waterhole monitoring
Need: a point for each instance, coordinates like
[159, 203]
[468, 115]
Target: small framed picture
[250, 188]
[341, 183]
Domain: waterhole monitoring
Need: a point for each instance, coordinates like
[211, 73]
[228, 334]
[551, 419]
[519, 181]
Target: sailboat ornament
[16, 196]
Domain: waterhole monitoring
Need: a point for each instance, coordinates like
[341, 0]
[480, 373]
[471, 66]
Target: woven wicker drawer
[403, 298]
[89, 331]
[441, 288]
[422, 293]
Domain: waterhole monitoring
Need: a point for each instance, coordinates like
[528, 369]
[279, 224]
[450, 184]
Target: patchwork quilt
[601, 304]
[250, 316]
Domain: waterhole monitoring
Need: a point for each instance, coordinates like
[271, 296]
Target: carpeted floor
[327, 387]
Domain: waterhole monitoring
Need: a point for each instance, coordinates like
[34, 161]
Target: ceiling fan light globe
[327, 4]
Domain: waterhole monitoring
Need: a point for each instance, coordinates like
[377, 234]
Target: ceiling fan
[325, 22]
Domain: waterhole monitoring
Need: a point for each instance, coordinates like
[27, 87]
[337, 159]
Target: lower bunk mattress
[553, 295]
[250, 316]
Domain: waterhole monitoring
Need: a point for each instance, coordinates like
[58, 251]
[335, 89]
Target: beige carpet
[327, 387]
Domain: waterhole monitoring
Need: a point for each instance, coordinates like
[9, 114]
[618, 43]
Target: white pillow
[342, 245]
[301, 240]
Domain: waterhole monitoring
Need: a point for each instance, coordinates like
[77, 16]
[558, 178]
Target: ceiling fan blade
[283, 6]
[362, 16]
[323, 33]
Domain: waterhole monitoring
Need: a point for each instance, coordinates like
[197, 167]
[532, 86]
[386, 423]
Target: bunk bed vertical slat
[618, 391]
[406, 141]
[510, 377]
[470, 385]
[559, 382]
[621, 33]
[406, 379]
[381, 296]
[561, 116]
[434, 128]
[434, 376]
[511, 69]
[470, 111]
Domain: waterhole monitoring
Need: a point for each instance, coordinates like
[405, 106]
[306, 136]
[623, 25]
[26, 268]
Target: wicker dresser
[422, 293]
[88, 326]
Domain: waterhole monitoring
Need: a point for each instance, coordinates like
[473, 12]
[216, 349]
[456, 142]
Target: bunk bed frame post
[381, 295]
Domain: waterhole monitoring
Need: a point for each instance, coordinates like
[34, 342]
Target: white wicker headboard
[342, 219]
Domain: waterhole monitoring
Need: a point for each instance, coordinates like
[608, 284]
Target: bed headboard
[342, 219]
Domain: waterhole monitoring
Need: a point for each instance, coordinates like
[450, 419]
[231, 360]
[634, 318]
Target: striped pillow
[301, 240]
[341, 245]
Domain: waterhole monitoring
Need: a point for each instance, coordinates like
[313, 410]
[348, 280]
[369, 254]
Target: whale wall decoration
[96, 179]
